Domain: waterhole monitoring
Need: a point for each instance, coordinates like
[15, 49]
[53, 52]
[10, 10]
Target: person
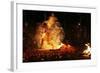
[49, 34]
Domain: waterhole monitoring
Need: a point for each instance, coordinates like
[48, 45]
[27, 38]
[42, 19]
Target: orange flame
[49, 34]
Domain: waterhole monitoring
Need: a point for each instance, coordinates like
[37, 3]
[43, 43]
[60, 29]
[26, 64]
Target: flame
[87, 51]
[49, 34]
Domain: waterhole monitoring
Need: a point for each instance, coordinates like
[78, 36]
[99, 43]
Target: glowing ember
[87, 51]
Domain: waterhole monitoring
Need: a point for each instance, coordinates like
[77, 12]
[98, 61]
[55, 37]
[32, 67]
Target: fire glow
[55, 36]
[49, 34]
